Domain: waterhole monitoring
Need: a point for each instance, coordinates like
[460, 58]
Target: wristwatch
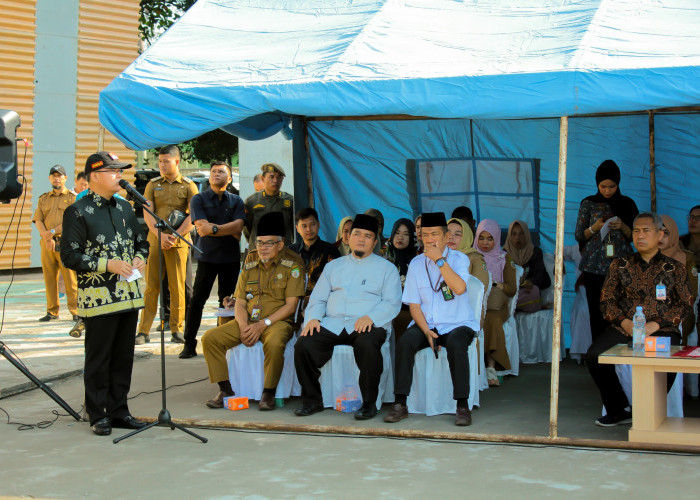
[267, 321]
[440, 262]
[214, 229]
[53, 231]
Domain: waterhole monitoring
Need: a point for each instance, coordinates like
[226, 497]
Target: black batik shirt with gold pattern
[96, 229]
[632, 282]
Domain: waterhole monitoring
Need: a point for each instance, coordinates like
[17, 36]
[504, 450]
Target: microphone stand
[164, 418]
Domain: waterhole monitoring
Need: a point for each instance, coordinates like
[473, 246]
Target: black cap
[366, 222]
[57, 169]
[433, 219]
[102, 160]
[271, 224]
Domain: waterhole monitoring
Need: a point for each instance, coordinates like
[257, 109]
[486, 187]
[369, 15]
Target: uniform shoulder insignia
[251, 264]
[287, 203]
[156, 179]
[186, 179]
[259, 205]
[286, 263]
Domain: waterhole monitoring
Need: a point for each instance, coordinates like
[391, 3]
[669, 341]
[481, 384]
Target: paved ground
[66, 461]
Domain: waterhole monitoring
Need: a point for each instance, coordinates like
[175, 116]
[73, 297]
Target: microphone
[133, 192]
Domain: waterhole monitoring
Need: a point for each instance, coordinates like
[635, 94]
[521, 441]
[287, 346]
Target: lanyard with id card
[441, 286]
[660, 291]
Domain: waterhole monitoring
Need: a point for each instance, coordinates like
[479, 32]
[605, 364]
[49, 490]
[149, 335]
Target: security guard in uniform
[49, 222]
[267, 294]
[171, 191]
[270, 199]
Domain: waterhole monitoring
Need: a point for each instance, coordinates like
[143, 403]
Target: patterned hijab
[674, 250]
[496, 258]
[465, 246]
[523, 255]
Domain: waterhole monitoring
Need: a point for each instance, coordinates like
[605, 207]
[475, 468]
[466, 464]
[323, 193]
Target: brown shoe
[267, 402]
[218, 401]
[464, 417]
[397, 413]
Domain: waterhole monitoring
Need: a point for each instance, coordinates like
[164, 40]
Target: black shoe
[177, 338]
[366, 411]
[102, 427]
[78, 329]
[187, 352]
[48, 317]
[142, 338]
[612, 420]
[307, 410]
[128, 422]
[76, 317]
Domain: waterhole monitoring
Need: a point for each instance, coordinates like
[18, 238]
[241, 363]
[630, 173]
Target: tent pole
[558, 278]
[652, 161]
[309, 180]
[101, 138]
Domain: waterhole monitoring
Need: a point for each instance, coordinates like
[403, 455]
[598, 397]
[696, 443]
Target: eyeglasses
[265, 244]
[693, 218]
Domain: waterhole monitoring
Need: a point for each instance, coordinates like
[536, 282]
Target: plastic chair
[535, 329]
[341, 372]
[510, 330]
[432, 390]
[245, 371]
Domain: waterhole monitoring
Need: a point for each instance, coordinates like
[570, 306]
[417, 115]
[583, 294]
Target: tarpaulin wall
[361, 164]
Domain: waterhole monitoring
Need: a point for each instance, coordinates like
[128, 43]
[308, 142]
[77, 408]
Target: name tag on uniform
[255, 314]
[660, 291]
[610, 250]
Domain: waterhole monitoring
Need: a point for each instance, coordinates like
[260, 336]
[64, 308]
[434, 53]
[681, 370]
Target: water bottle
[638, 329]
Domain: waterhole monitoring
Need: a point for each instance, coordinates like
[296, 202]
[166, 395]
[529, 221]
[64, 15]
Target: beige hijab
[674, 250]
[465, 246]
[520, 256]
[342, 247]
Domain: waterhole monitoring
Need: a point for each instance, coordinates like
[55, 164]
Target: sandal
[492, 377]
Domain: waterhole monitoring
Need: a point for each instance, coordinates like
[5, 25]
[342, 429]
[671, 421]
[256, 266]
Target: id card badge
[660, 291]
[255, 314]
[610, 250]
[446, 292]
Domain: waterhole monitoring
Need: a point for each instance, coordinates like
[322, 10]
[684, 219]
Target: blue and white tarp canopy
[246, 66]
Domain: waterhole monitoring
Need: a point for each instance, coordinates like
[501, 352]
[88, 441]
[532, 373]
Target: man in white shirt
[435, 291]
[351, 304]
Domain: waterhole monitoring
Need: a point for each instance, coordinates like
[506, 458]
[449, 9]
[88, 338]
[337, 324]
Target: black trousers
[203, 283]
[165, 296]
[456, 342]
[605, 377]
[313, 351]
[109, 358]
[594, 285]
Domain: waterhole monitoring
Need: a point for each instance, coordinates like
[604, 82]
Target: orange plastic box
[235, 403]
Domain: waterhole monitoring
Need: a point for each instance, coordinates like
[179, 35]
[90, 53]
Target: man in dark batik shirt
[315, 252]
[632, 281]
[104, 244]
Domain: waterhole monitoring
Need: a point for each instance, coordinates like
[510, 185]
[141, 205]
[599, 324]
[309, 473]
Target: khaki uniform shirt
[51, 206]
[168, 196]
[259, 204]
[270, 287]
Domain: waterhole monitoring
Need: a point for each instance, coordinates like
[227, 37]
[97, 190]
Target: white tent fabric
[246, 66]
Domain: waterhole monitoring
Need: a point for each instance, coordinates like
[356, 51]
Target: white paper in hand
[135, 274]
[606, 227]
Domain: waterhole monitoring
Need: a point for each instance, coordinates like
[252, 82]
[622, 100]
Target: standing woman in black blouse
[608, 205]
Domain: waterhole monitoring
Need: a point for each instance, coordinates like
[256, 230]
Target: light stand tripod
[164, 419]
[49, 392]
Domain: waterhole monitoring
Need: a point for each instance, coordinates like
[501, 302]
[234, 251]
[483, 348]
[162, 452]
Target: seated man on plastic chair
[267, 294]
[435, 292]
[657, 283]
[354, 297]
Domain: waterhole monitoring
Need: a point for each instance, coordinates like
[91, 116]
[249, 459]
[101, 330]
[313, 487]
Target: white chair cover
[510, 330]
[581, 338]
[483, 380]
[245, 371]
[674, 402]
[690, 380]
[341, 372]
[432, 390]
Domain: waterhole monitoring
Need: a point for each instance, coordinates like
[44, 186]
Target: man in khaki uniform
[49, 222]
[171, 191]
[267, 294]
[270, 199]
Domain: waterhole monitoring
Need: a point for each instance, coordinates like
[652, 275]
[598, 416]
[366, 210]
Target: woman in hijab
[502, 269]
[670, 247]
[607, 208]
[461, 238]
[400, 250]
[535, 277]
[343, 237]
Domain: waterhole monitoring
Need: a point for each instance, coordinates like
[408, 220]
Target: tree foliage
[156, 16]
